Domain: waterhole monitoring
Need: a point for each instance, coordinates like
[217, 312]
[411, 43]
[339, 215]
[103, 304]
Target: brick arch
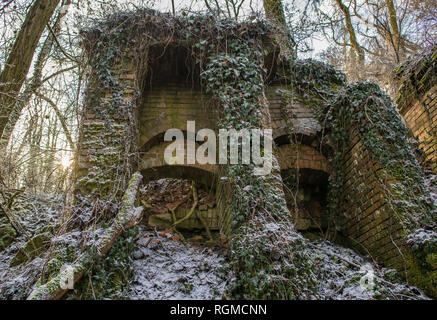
[153, 167]
[302, 119]
[292, 156]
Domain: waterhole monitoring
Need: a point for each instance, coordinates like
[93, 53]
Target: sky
[319, 44]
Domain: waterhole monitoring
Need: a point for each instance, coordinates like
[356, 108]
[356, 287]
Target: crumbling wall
[417, 102]
[106, 148]
[377, 196]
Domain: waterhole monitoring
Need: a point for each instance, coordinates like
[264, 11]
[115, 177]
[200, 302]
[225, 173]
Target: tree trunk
[275, 15]
[351, 30]
[396, 36]
[36, 80]
[20, 58]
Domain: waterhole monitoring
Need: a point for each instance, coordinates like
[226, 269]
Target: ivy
[266, 252]
[268, 256]
[366, 107]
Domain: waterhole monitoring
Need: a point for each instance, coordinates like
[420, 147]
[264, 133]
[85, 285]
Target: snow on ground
[34, 213]
[345, 275]
[168, 269]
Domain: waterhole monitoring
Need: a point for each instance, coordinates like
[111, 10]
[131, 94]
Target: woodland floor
[166, 268]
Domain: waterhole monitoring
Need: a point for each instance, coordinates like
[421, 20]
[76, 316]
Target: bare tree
[19, 60]
[36, 81]
[275, 15]
[374, 36]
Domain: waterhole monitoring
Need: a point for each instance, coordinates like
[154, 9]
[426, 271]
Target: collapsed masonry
[341, 149]
[417, 102]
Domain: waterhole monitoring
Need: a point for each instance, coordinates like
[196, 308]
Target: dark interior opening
[170, 63]
[305, 193]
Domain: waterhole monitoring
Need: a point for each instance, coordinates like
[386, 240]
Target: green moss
[110, 278]
[419, 275]
[31, 249]
[63, 254]
[7, 235]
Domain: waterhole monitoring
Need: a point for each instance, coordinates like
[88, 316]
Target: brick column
[417, 102]
[107, 135]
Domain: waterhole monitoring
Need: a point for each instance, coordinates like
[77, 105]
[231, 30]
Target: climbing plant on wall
[268, 255]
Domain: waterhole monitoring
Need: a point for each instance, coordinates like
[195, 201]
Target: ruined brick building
[342, 149]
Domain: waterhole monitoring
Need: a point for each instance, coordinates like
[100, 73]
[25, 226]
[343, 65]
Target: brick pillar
[107, 135]
[369, 221]
[417, 102]
[380, 218]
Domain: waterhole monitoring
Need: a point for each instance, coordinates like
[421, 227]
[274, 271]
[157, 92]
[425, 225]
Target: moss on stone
[7, 235]
[31, 249]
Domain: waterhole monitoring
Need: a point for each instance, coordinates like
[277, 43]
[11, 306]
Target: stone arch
[305, 174]
[153, 167]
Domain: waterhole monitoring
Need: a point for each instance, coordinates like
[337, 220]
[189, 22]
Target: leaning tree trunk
[20, 58]
[36, 80]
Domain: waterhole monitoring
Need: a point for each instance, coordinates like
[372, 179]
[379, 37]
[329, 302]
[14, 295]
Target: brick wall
[171, 105]
[104, 132]
[417, 102]
[301, 157]
[369, 223]
[107, 134]
[421, 118]
[301, 117]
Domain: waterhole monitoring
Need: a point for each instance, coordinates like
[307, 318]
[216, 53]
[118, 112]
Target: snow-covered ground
[165, 268]
[168, 269]
[345, 275]
[34, 214]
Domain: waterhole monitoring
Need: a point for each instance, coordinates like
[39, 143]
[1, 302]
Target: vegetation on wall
[343, 108]
[268, 255]
[269, 258]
